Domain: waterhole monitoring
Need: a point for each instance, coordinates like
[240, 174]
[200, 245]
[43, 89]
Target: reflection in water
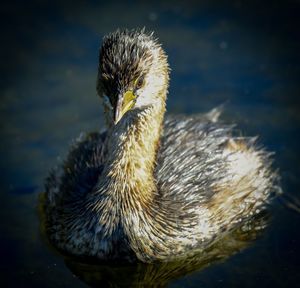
[160, 274]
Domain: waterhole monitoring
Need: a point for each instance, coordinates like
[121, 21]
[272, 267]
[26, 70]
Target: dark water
[244, 54]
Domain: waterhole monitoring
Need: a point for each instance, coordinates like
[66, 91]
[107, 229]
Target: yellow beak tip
[128, 103]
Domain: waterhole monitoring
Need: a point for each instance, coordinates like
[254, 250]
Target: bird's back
[197, 160]
[184, 159]
[78, 174]
[201, 163]
[200, 167]
[190, 154]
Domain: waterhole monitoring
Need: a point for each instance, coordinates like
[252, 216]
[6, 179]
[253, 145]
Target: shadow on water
[103, 274]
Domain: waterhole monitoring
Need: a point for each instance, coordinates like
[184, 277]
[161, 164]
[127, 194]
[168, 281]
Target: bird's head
[133, 73]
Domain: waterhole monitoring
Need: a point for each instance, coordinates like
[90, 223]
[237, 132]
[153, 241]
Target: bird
[149, 187]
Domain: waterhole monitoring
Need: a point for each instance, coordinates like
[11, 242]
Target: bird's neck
[132, 148]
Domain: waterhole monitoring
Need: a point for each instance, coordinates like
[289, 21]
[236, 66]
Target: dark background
[244, 53]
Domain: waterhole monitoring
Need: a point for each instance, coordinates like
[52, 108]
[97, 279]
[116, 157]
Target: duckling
[151, 188]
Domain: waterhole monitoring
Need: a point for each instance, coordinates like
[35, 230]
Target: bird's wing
[190, 157]
[79, 172]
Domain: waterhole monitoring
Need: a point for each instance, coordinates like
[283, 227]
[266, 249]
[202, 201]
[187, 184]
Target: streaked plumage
[148, 188]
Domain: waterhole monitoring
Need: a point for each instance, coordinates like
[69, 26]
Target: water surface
[243, 54]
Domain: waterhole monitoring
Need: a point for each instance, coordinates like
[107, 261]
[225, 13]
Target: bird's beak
[125, 102]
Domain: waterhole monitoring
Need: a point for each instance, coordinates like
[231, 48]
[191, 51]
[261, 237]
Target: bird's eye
[139, 83]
